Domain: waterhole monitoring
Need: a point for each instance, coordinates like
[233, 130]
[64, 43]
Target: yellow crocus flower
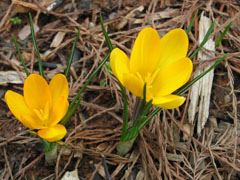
[160, 63]
[42, 105]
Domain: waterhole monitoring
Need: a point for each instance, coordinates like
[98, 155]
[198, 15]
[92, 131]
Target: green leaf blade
[77, 97]
[223, 34]
[72, 54]
[20, 56]
[191, 24]
[188, 85]
[109, 44]
[35, 46]
[205, 39]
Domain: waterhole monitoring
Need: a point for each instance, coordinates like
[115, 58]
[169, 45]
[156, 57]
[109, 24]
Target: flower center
[148, 79]
[43, 114]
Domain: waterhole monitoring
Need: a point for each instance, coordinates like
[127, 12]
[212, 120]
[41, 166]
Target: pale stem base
[51, 155]
[124, 147]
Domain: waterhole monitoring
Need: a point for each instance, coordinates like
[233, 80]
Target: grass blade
[190, 26]
[223, 34]
[35, 46]
[123, 89]
[71, 55]
[77, 97]
[90, 78]
[204, 39]
[20, 55]
[109, 44]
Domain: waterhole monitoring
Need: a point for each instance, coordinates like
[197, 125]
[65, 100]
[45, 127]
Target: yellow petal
[31, 121]
[133, 84]
[58, 87]
[173, 46]
[146, 52]
[59, 109]
[53, 134]
[20, 110]
[169, 101]
[119, 63]
[36, 92]
[172, 77]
